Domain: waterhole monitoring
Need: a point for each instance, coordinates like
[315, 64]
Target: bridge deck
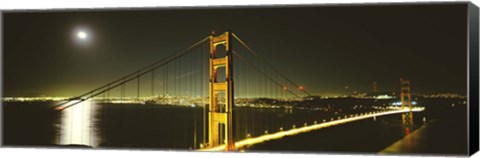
[267, 137]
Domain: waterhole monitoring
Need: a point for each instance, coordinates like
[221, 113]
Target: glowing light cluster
[383, 97]
[400, 103]
[24, 99]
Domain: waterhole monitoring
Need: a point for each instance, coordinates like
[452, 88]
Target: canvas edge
[473, 81]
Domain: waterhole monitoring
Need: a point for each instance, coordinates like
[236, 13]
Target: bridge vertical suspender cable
[267, 63]
[152, 83]
[204, 114]
[262, 73]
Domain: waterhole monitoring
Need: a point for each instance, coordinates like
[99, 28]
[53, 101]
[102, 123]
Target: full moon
[82, 35]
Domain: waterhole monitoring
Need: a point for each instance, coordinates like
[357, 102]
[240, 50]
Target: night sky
[324, 48]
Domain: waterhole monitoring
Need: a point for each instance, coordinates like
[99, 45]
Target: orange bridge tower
[406, 100]
[220, 123]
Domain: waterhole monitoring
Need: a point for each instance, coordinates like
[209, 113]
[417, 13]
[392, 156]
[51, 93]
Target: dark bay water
[181, 128]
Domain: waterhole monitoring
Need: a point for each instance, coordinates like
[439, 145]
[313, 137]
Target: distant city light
[397, 103]
[400, 103]
[383, 97]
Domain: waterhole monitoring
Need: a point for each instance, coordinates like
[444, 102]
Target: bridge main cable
[130, 76]
[267, 63]
[264, 74]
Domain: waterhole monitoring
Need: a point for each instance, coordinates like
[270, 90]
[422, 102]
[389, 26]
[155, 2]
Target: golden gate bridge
[220, 73]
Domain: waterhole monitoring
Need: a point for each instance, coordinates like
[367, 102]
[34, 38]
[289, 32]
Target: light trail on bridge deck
[267, 137]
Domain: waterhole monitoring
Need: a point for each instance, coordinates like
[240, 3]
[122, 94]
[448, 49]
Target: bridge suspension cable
[267, 63]
[262, 73]
[129, 77]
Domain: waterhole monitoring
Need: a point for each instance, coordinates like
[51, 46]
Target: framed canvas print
[374, 79]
